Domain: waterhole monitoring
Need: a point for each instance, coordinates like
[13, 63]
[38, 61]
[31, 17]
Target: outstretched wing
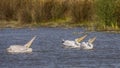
[81, 38]
[92, 40]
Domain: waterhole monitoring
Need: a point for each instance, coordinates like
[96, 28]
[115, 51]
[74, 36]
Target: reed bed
[67, 11]
[28, 11]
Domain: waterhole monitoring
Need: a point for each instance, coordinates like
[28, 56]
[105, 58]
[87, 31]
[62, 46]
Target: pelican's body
[87, 45]
[76, 44]
[21, 48]
[71, 44]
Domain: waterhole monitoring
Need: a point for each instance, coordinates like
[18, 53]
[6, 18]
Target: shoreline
[66, 25]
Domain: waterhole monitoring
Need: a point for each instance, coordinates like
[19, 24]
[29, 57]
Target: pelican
[73, 44]
[20, 48]
[88, 45]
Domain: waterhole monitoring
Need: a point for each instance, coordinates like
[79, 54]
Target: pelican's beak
[30, 42]
[81, 38]
[92, 40]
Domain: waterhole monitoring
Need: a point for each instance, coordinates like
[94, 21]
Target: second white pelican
[88, 45]
[21, 49]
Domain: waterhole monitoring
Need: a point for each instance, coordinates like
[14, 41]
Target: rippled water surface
[48, 52]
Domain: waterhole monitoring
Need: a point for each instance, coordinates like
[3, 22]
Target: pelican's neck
[90, 45]
[77, 43]
[87, 45]
[30, 42]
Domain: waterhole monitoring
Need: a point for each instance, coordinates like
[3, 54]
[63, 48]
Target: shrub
[81, 10]
[105, 10]
[59, 9]
[117, 11]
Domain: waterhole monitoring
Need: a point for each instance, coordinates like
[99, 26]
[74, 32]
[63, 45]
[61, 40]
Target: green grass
[63, 23]
[93, 15]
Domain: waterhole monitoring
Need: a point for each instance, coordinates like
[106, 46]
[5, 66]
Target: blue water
[48, 52]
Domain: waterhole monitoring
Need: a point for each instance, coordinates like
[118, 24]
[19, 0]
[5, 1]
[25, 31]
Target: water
[48, 52]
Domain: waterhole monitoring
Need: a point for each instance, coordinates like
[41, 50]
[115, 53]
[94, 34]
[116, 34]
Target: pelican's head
[76, 40]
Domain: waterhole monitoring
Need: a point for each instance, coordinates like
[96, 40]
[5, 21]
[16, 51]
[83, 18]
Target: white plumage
[88, 45]
[73, 44]
[21, 48]
[76, 44]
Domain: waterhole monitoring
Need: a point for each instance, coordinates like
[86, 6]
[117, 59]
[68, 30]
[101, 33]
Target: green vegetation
[105, 10]
[92, 14]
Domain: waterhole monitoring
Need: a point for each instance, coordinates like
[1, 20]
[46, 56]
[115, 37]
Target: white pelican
[73, 44]
[21, 49]
[88, 45]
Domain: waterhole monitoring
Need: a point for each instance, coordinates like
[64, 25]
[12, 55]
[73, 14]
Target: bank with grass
[91, 14]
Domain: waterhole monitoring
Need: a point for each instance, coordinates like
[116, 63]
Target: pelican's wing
[92, 40]
[81, 38]
[30, 42]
